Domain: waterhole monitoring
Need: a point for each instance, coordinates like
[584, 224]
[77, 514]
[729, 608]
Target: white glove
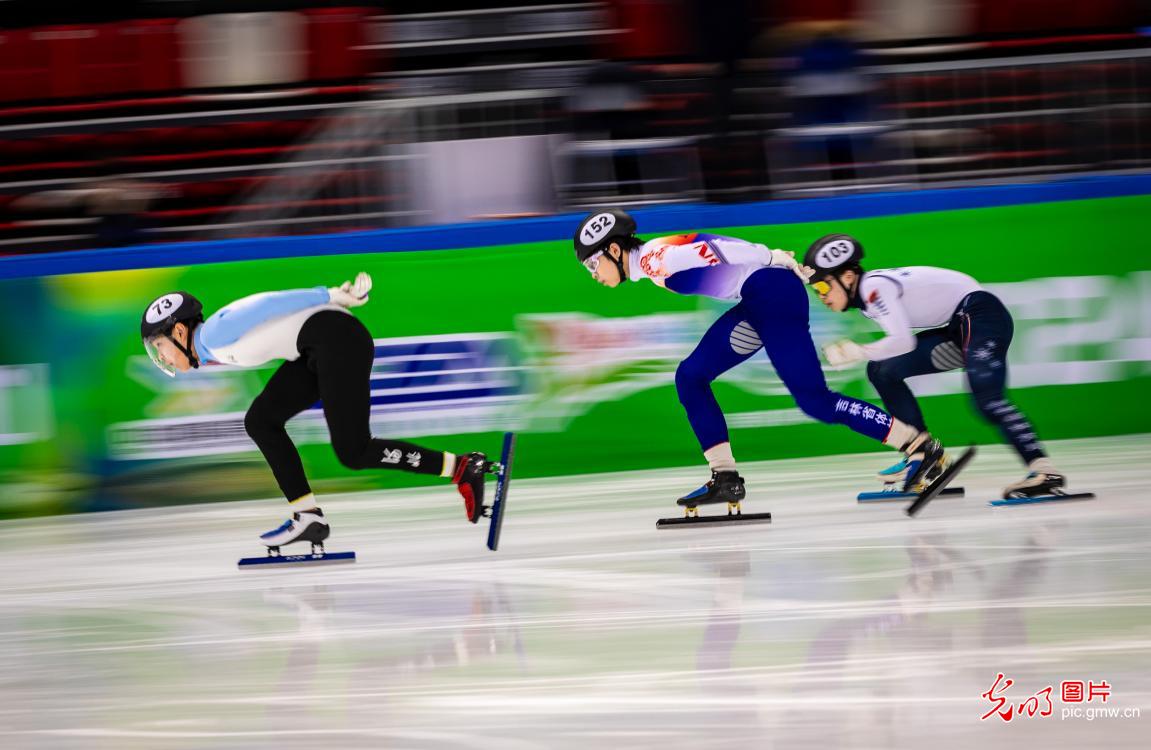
[843, 353]
[786, 259]
[351, 293]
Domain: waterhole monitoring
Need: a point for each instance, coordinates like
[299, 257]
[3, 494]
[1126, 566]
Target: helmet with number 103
[833, 254]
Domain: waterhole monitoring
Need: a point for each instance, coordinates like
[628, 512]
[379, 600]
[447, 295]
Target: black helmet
[161, 315]
[600, 227]
[832, 254]
[166, 311]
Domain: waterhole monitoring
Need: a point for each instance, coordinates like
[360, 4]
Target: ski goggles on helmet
[592, 263]
[157, 358]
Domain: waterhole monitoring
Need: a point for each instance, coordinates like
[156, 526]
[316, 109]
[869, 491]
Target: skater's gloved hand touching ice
[843, 353]
[352, 293]
[786, 259]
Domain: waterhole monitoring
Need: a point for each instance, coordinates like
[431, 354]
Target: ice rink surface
[836, 626]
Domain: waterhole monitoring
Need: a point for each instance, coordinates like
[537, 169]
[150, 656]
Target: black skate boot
[1043, 484]
[926, 461]
[305, 526]
[723, 487]
[469, 480]
[1042, 479]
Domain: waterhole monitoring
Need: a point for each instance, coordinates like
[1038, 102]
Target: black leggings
[976, 339]
[335, 365]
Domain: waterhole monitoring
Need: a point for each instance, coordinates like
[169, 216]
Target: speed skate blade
[941, 482]
[503, 479]
[1043, 499]
[878, 497]
[326, 558]
[734, 519]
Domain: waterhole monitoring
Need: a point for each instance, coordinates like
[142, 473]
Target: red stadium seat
[335, 40]
[654, 29]
[290, 130]
[1020, 16]
[67, 47]
[816, 10]
[110, 61]
[24, 66]
[159, 50]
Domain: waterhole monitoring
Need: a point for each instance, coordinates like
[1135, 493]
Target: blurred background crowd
[132, 121]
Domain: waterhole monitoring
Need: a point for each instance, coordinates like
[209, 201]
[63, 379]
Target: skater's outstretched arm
[883, 302]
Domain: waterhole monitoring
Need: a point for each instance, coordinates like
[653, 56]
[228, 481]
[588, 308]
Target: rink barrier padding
[475, 341]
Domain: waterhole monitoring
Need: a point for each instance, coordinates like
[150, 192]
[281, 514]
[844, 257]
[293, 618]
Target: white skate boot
[304, 526]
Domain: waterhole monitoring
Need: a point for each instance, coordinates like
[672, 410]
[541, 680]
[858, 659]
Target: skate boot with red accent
[469, 480]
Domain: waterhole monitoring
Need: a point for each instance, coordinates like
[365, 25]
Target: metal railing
[367, 164]
[962, 122]
[928, 124]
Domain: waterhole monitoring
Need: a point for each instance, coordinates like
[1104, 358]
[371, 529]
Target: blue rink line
[561, 227]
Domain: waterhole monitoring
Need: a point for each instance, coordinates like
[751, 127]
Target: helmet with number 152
[596, 233]
[598, 229]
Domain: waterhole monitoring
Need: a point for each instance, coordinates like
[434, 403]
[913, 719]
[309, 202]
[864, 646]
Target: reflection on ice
[836, 626]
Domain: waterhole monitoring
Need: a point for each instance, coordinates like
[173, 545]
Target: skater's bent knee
[820, 406]
[882, 371]
[257, 421]
[691, 372]
[352, 455]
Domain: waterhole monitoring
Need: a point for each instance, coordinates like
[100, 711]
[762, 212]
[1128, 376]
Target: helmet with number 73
[160, 317]
[833, 254]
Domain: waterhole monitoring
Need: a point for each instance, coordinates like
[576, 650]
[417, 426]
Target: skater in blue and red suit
[771, 313]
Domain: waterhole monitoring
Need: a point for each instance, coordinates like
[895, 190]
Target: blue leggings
[773, 315]
[977, 339]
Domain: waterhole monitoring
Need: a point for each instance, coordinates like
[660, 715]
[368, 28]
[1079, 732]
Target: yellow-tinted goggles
[821, 287]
